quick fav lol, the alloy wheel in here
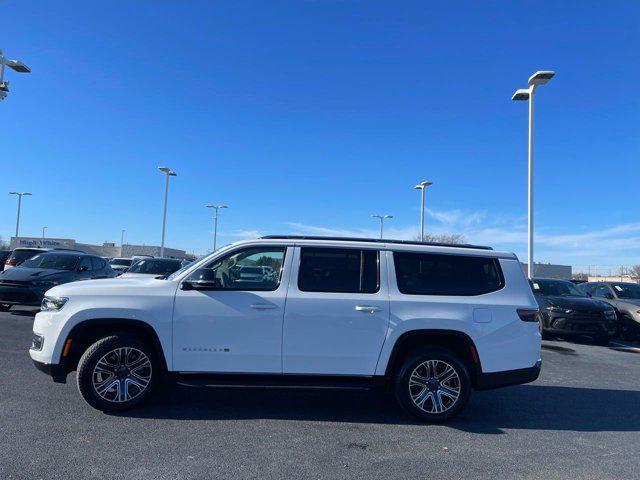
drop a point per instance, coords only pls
(122, 374)
(434, 386)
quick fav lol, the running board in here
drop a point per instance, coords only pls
(287, 382)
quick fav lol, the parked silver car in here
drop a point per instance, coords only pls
(625, 298)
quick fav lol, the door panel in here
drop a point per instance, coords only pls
(230, 330)
(332, 332)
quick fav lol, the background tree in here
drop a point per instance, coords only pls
(634, 271)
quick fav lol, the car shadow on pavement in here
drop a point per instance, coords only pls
(529, 407)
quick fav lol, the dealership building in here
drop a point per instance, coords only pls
(107, 249)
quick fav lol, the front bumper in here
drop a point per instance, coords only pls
(578, 324)
(57, 372)
(488, 381)
(21, 295)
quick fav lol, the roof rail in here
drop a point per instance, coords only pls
(374, 240)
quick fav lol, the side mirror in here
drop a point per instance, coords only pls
(83, 268)
(200, 285)
(608, 296)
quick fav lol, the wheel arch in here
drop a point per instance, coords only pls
(456, 341)
(89, 331)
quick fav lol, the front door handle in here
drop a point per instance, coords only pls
(367, 308)
(263, 306)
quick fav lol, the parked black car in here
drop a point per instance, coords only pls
(566, 311)
(26, 284)
(4, 254)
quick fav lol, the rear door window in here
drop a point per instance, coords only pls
(98, 263)
(443, 274)
(339, 270)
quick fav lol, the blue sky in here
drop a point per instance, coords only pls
(308, 116)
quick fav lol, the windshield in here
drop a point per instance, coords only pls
(121, 261)
(627, 290)
(53, 261)
(155, 266)
(255, 270)
(556, 288)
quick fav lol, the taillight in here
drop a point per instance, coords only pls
(528, 314)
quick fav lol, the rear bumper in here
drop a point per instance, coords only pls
(488, 381)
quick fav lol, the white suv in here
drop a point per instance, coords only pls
(432, 322)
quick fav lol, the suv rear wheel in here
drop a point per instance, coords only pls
(117, 372)
(433, 384)
(5, 307)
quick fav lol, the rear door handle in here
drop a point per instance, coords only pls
(367, 308)
(263, 306)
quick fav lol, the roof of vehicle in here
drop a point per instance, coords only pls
(33, 249)
(609, 282)
(404, 245)
(374, 240)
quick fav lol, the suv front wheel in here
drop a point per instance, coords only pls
(433, 384)
(117, 372)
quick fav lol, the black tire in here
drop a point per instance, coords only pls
(627, 329)
(601, 340)
(109, 346)
(5, 307)
(405, 395)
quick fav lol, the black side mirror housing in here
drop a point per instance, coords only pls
(200, 285)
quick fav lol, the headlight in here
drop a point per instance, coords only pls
(52, 303)
(553, 309)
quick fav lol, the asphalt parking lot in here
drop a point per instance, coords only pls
(581, 419)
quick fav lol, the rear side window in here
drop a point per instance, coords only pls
(440, 274)
(339, 270)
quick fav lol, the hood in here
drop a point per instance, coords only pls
(573, 303)
(138, 275)
(108, 286)
(629, 302)
(33, 274)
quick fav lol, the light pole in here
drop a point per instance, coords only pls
(382, 219)
(16, 65)
(168, 173)
(122, 239)
(43, 229)
(422, 186)
(538, 78)
(215, 222)
(20, 195)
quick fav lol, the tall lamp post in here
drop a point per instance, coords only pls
(215, 222)
(121, 240)
(382, 219)
(422, 186)
(43, 230)
(168, 173)
(20, 195)
(538, 78)
(16, 65)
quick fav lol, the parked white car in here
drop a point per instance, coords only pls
(120, 264)
(152, 267)
(431, 322)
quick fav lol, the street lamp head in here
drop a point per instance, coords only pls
(18, 66)
(422, 185)
(521, 94)
(168, 171)
(541, 77)
(19, 193)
